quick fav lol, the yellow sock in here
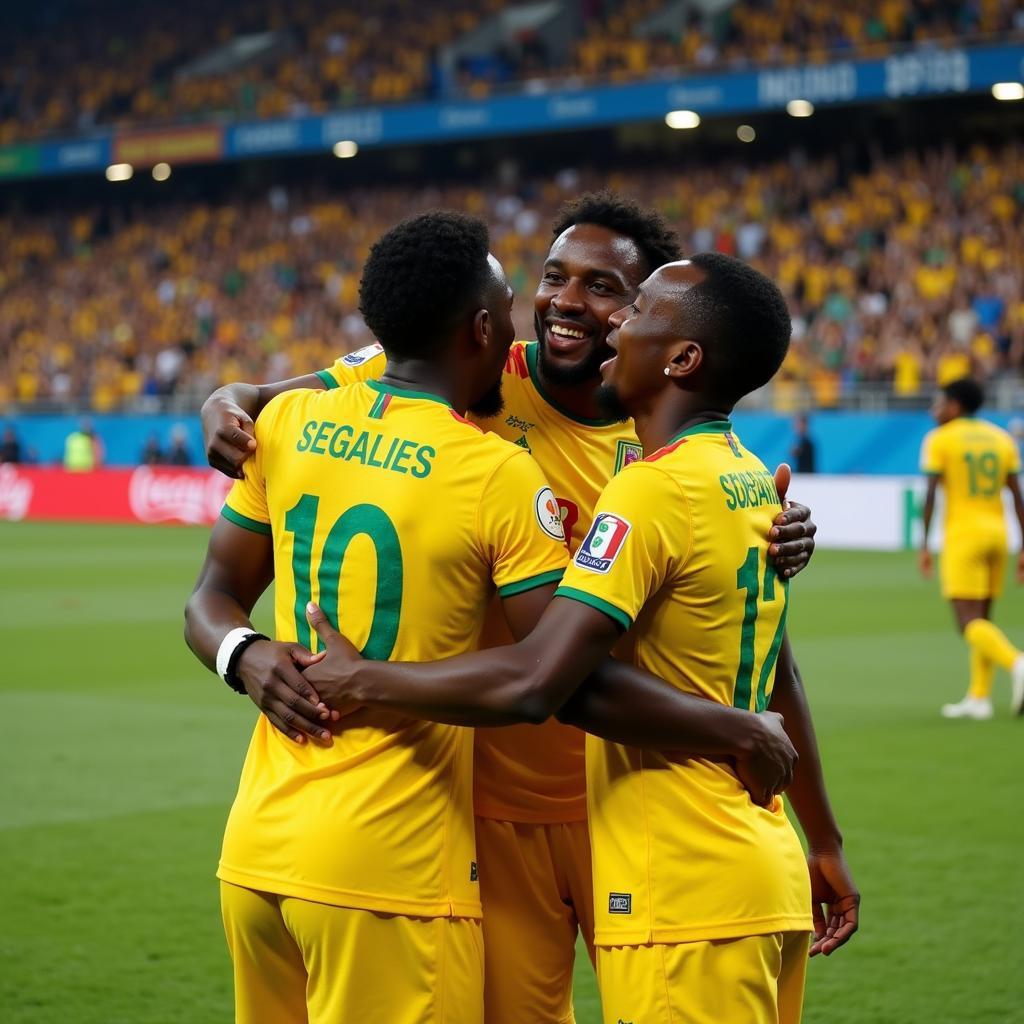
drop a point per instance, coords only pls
(989, 640)
(982, 673)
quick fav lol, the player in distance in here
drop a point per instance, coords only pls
(348, 873)
(974, 461)
(529, 781)
(702, 901)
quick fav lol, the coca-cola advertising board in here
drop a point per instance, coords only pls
(143, 495)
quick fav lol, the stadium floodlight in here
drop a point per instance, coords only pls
(161, 172)
(682, 119)
(745, 133)
(120, 172)
(1008, 91)
(799, 108)
(345, 149)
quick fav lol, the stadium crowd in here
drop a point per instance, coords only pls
(115, 63)
(900, 276)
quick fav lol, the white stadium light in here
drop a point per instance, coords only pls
(345, 149)
(799, 108)
(161, 172)
(745, 133)
(1008, 91)
(682, 119)
(120, 172)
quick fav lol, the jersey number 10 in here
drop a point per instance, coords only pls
(372, 521)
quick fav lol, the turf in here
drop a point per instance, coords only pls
(119, 757)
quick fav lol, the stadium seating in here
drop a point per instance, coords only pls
(896, 277)
(119, 64)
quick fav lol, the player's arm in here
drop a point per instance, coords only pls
(834, 895)
(792, 532)
(239, 567)
(228, 415)
(927, 514)
(1013, 484)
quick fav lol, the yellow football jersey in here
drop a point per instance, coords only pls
(533, 773)
(677, 554)
(401, 519)
(974, 458)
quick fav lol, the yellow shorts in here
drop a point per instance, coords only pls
(296, 962)
(537, 894)
(754, 980)
(973, 566)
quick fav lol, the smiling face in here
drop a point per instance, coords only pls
(590, 273)
(649, 335)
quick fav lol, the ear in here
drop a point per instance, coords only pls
(686, 361)
(483, 329)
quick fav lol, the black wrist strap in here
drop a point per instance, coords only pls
(231, 675)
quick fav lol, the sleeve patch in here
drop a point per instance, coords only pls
(603, 543)
(548, 514)
(362, 355)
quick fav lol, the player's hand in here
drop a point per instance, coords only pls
(228, 434)
(332, 675)
(1020, 567)
(924, 563)
(835, 901)
(767, 768)
(792, 532)
(272, 674)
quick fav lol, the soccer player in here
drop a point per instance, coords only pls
(974, 461)
(530, 790)
(348, 873)
(702, 905)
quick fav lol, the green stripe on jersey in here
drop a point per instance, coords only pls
(613, 613)
(531, 584)
(329, 381)
(244, 521)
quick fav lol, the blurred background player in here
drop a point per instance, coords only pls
(974, 461)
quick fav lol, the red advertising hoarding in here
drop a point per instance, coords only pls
(143, 495)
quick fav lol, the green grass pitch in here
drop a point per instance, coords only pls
(119, 757)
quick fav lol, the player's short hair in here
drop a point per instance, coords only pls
(967, 393)
(743, 318)
(422, 277)
(647, 229)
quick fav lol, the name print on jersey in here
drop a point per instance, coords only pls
(336, 440)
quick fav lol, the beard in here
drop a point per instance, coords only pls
(610, 403)
(490, 403)
(570, 376)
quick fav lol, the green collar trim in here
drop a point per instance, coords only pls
(712, 427)
(532, 348)
(390, 389)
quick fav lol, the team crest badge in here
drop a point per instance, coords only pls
(548, 514)
(603, 544)
(361, 355)
(626, 453)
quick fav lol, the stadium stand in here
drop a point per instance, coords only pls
(899, 276)
(123, 64)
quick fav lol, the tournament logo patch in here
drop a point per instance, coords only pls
(620, 903)
(548, 514)
(361, 355)
(603, 544)
(627, 452)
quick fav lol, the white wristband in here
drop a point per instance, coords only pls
(227, 648)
